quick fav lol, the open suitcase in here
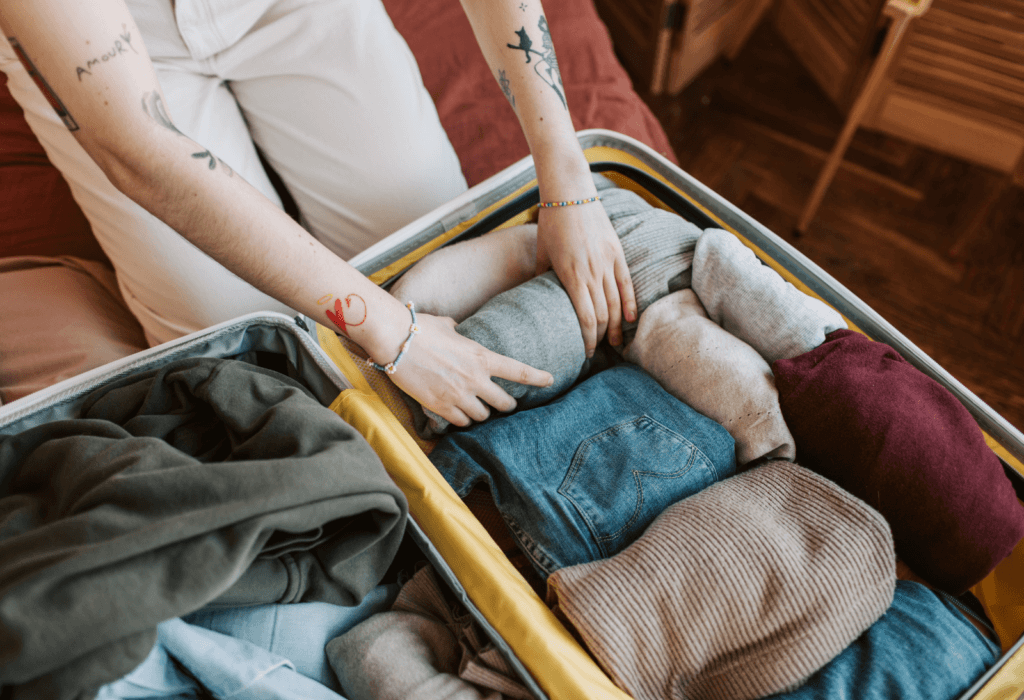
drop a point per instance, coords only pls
(548, 658)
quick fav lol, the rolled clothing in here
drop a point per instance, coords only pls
(458, 279)
(536, 323)
(743, 590)
(922, 648)
(204, 482)
(579, 479)
(401, 656)
(713, 372)
(754, 303)
(427, 647)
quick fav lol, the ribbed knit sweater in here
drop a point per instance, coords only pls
(738, 592)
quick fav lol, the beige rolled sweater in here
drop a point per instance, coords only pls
(738, 592)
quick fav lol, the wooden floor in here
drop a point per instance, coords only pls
(933, 244)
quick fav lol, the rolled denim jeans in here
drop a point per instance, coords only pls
(579, 479)
(923, 648)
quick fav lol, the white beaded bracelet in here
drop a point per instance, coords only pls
(389, 368)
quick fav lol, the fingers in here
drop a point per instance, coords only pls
(600, 304)
(497, 397)
(455, 416)
(583, 302)
(475, 409)
(624, 282)
(516, 371)
(611, 294)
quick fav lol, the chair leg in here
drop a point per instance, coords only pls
(860, 106)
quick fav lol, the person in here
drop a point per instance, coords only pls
(329, 91)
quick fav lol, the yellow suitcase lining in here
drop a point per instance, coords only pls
(561, 667)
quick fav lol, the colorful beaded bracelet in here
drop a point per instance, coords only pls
(595, 198)
(389, 368)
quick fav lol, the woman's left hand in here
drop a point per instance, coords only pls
(580, 245)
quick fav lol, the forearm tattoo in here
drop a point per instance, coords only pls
(153, 106)
(344, 314)
(44, 86)
(506, 88)
(121, 45)
(545, 65)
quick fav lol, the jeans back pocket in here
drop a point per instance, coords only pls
(622, 478)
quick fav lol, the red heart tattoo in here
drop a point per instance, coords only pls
(338, 315)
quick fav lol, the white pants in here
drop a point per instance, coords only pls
(329, 91)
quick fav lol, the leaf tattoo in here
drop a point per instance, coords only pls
(506, 88)
(153, 106)
(206, 154)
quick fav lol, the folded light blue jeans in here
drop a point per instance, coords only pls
(579, 479)
(923, 648)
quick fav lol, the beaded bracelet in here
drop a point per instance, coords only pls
(595, 198)
(389, 368)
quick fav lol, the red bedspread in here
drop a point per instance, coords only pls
(479, 121)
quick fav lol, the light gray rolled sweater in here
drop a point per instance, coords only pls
(535, 322)
(739, 592)
(753, 301)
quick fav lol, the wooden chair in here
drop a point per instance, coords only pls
(949, 75)
(901, 13)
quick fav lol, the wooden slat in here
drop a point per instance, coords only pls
(1007, 15)
(967, 55)
(951, 128)
(989, 104)
(999, 37)
(962, 72)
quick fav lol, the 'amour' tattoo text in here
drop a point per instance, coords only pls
(121, 45)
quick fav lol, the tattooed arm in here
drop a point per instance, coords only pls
(577, 241)
(89, 60)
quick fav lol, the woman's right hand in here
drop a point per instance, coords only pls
(451, 374)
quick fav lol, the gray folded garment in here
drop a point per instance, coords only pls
(425, 648)
(713, 372)
(400, 656)
(535, 322)
(736, 593)
(754, 303)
